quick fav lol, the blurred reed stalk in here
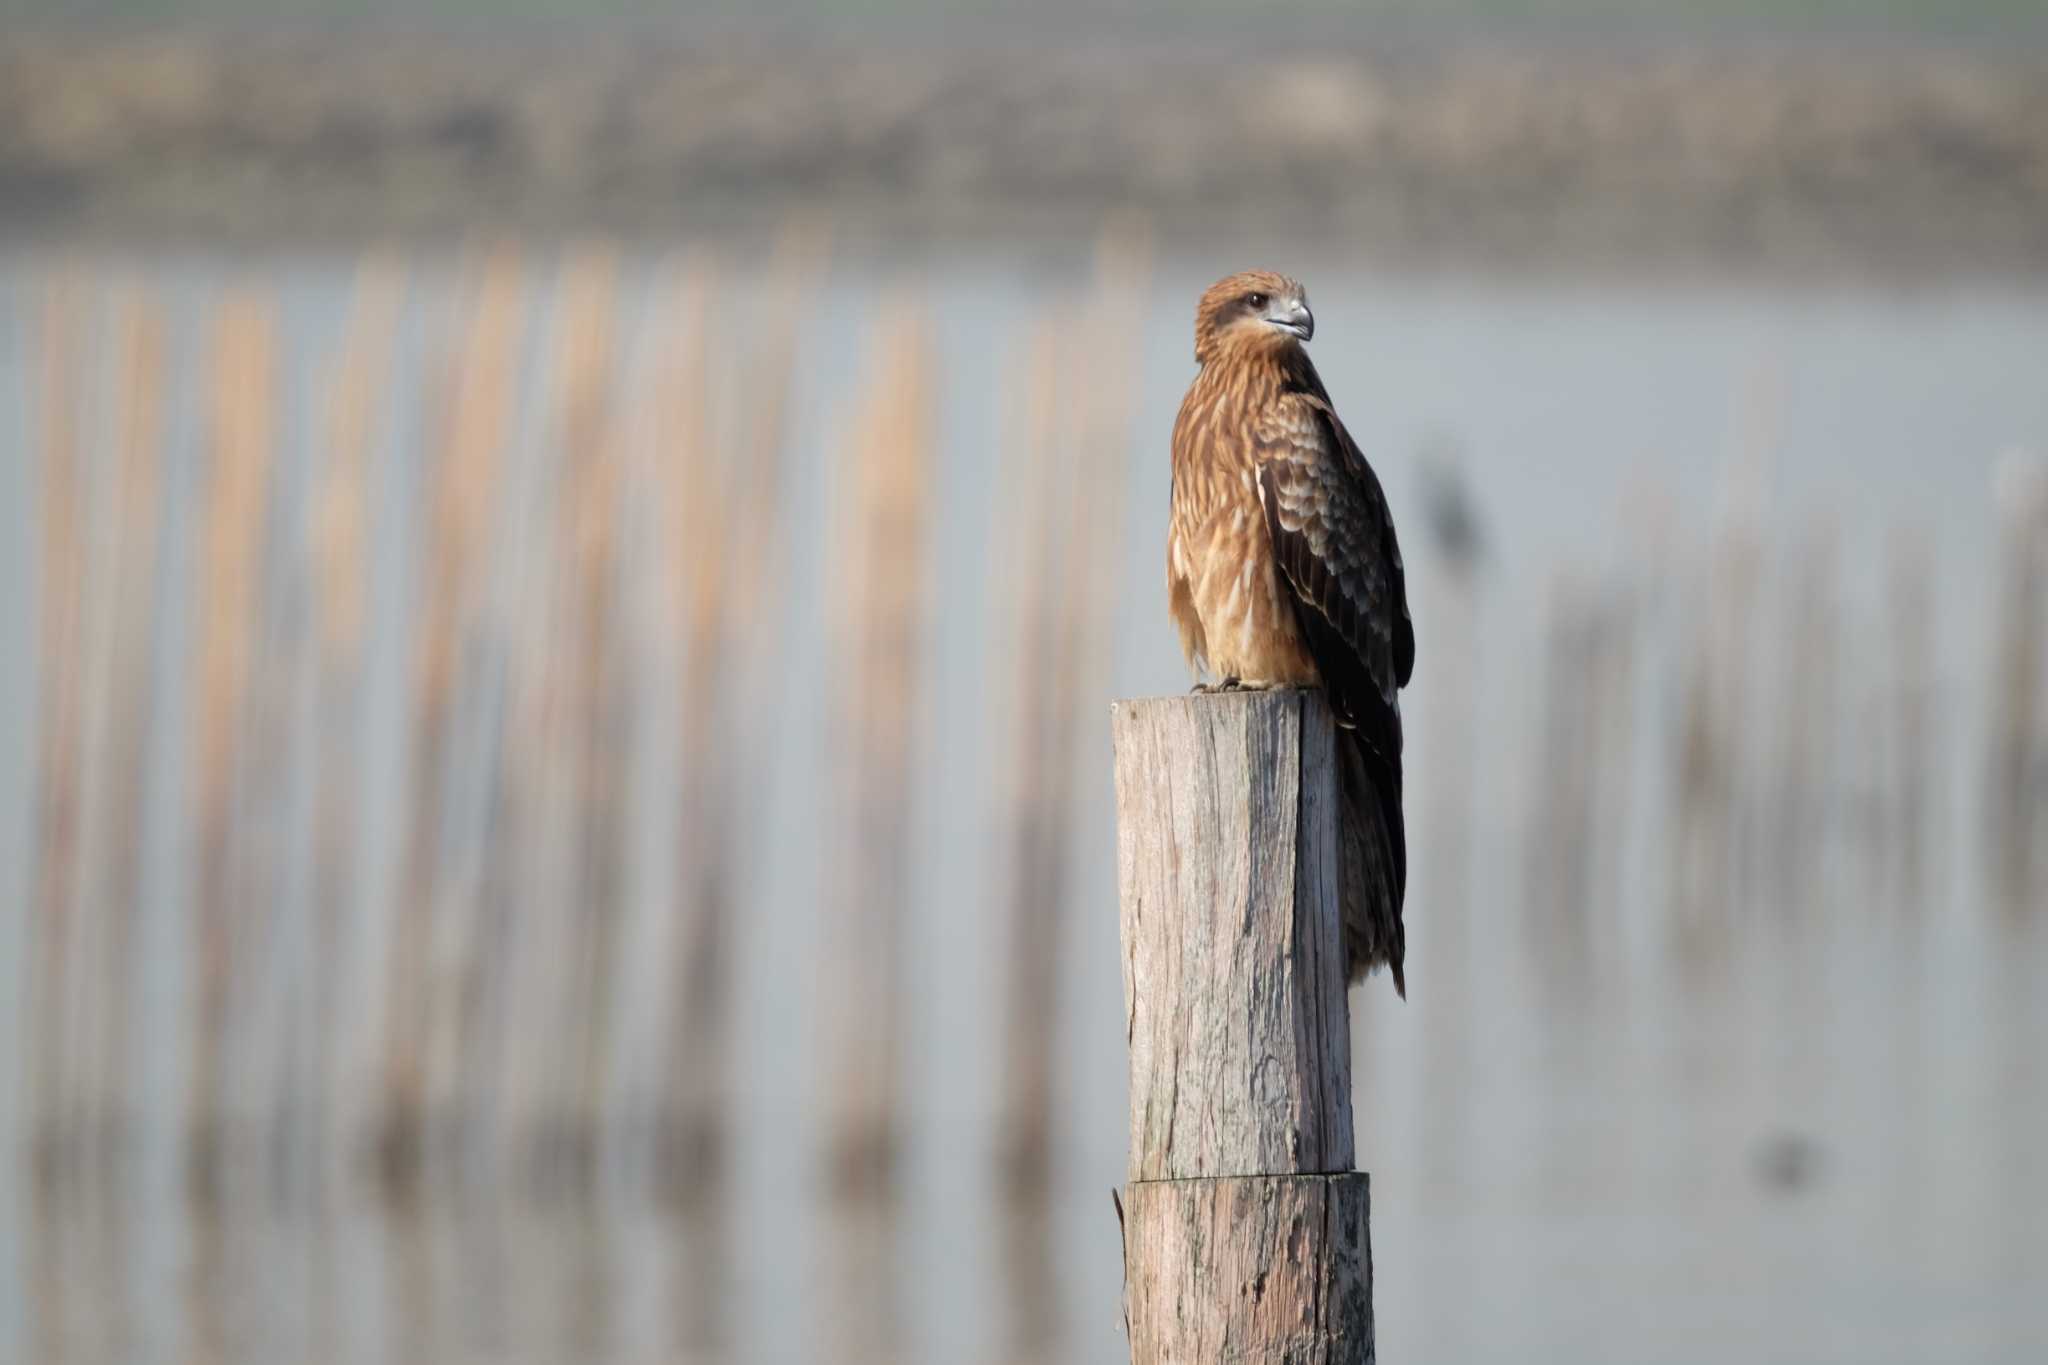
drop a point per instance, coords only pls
(1580, 812)
(60, 515)
(1055, 579)
(1710, 771)
(591, 684)
(97, 510)
(685, 475)
(1801, 760)
(543, 974)
(879, 608)
(879, 605)
(535, 1041)
(512, 1024)
(99, 503)
(521, 1016)
(243, 432)
(715, 473)
(1562, 816)
(1453, 538)
(118, 696)
(1030, 644)
(341, 536)
(2016, 766)
(1911, 704)
(256, 1096)
(427, 932)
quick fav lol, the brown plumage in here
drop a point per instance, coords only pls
(1282, 570)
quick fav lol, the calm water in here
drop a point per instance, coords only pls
(1825, 1144)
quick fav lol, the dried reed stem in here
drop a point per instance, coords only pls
(1911, 601)
(593, 691)
(243, 438)
(879, 606)
(568, 764)
(1029, 648)
(2016, 798)
(341, 549)
(59, 723)
(1063, 512)
(109, 873)
(716, 480)
(423, 961)
(1802, 757)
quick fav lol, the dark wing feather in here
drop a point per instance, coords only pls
(1333, 538)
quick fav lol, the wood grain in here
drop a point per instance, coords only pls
(1249, 1269)
(1233, 951)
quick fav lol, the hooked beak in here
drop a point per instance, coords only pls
(1293, 317)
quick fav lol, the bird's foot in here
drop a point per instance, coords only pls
(1234, 685)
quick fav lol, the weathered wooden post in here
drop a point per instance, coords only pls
(1245, 1227)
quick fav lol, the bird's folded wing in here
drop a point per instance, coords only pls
(1333, 539)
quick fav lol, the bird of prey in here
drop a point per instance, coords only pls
(1282, 570)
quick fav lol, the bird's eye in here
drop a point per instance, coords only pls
(1255, 300)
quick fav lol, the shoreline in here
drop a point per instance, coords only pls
(1921, 159)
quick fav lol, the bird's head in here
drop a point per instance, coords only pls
(1257, 310)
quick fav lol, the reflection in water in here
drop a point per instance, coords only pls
(1739, 1162)
(861, 1314)
(373, 1284)
(1033, 1328)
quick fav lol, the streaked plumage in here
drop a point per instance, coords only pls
(1282, 570)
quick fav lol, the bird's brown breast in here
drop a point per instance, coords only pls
(1234, 614)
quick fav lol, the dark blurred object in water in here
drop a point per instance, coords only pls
(1447, 505)
(1786, 1163)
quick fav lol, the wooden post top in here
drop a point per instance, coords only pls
(1234, 984)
